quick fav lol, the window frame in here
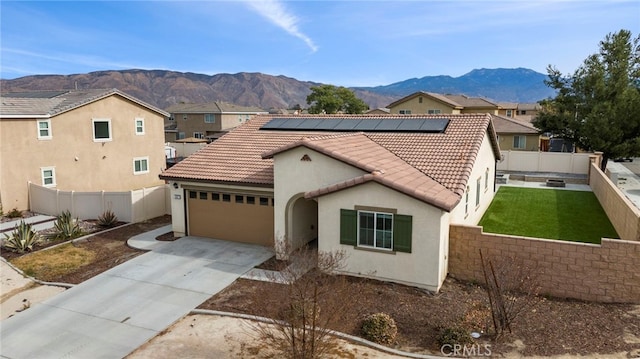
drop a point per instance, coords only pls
(404, 112)
(486, 179)
(49, 134)
(466, 202)
(93, 129)
(478, 192)
(52, 177)
(522, 142)
(509, 113)
(140, 159)
(199, 135)
(213, 116)
(135, 123)
(375, 230)
(434, 111)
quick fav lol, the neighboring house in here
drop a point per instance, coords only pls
(378, 111)
(421, 102)
(508, 109)
(527, 111)
(79, 140)
(205, 120)
(382, 188)
(516, 135)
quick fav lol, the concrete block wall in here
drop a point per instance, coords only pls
(608, 272)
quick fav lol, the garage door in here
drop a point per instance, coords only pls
(238, 217)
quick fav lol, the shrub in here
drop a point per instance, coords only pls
(22, 239)
(379, 328)
(107, 219)
(454, 335)
(14, 213)
(66, 227)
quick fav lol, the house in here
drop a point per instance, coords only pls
(383, 188)
(434, 103)
(378, 111)
(516, 135)
(205, 120)
(79, 140)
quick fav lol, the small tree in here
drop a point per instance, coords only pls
(512, 288)
(331, 99)
(313, 299)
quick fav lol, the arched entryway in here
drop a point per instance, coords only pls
(302, 226)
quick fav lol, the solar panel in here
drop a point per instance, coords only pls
(434, 125)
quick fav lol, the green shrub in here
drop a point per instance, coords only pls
(454, 335)
(14, 213)
(107, 219)
(379, 328)
(22, 239)
(66, 227)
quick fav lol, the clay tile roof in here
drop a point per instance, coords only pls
(510, 125)
(433, 167)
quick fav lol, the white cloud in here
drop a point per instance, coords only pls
(279, 15)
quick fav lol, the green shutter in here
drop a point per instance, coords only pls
(402, 226)
(348, 227)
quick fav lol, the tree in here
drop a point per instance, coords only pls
(332, 99)
(598, 107)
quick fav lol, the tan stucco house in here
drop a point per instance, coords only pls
(205, 120)
(78, 140)
(516, 135)
(422, 102)
(383, 188)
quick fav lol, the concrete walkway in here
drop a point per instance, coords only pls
(115, 312)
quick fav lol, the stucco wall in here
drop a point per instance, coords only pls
(622, 213)
(422, 267)
(80, 163)
(607, 272)
(294, 176)
(505, 141)
(418, 108)
(485, 161)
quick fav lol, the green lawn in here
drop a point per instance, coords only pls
(548, 213)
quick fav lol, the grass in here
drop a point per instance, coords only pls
(48, 264)
(547, 213)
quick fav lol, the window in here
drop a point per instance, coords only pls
(44, 129)
(181, 135)
(522, 112)
(215, 196)
(204, 195)
(486, 179)
(519, 142)
(380, 230)
(226, 197)
(264, 201)
(140, 165)
(509, 113)
(404, 112)
(198, 134)
(209, 118)
(101, 130)
(478, 181)
(466, 202)
(434, 112)
(239, 199)
(251, 200)
(139, 126)
(420, 99)
(193, 194)
(48, 176)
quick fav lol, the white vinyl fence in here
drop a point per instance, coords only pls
(129, 206)
(535, 161)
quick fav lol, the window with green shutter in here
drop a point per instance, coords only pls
(348, 227)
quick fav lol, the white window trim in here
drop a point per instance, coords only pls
(135, 124)
(524, 142)
(375, 214)
(93, 129)
(199, 135)
(50, 134)
(135, 159)
(478, 192)
(212, 115)
(404, 112)
(53, 176)
(434, 111)
(466, 202)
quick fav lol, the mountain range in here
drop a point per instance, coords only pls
(164, 88)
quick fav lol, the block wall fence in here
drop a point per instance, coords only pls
(608, 272)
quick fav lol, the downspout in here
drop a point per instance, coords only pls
(186, 214)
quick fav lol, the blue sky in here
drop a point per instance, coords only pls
(346, 43)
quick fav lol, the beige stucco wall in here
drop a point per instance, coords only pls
(294, 177)
(231, 120)
(194, 122)
(423, 267)
(80, 163)
(418, 108)
(485, 161)
(505, 141)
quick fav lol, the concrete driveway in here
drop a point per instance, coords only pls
(115, 312)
